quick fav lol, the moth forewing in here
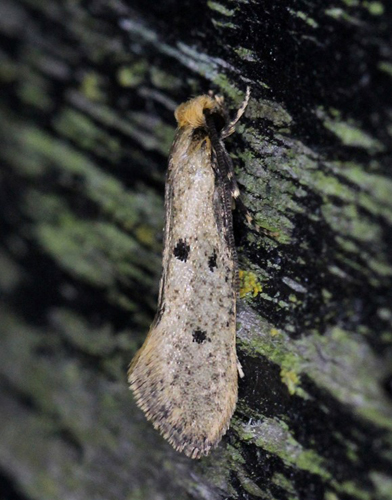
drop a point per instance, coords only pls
(184, 377)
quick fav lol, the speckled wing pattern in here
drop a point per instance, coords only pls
(185, 375)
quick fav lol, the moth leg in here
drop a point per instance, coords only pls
(241, 373)
(218, 98)
(229, 128)
(234, 189)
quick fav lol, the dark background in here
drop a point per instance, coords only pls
(88, 91)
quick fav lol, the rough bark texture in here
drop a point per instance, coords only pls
(86, 117)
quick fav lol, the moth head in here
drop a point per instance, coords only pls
(192, 113)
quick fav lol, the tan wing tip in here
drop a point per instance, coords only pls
(190, 444)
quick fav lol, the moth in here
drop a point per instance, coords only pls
(184, 377)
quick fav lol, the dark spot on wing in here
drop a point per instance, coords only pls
(181, 250)
(199, 336)
(212, 261)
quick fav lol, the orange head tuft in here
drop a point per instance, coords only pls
(191, 113)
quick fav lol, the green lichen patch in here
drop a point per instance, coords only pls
(373, 189)
(283, 482)
(126, 207)
(251, 487)
(223, 24)
(163, 80)
(132, 75)
(339, 362)
(87, 135)
(11, 274)
(271, 198)
(246, 54)
(347, 221)
(351, 135)
(157, 134)
(8, 69)
(339, 356)
(228, 89)
(97, 341)
(95, 252)
(33, 91)
(101, 343)
(307, 19)
(374, 8)
(386, 67)
(150, 132)
(75, 413)
(290, 379)
(350, 488)
(92, 88)
(249, 284)
(217, 468)
(340, 14)
(220, 8)
(255, 338)
(275, 437)
(268, 110)
(382, 484)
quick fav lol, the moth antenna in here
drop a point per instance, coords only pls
(230, 127)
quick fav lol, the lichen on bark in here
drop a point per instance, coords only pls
(86, 118)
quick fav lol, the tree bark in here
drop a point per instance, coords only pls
(86, 117)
